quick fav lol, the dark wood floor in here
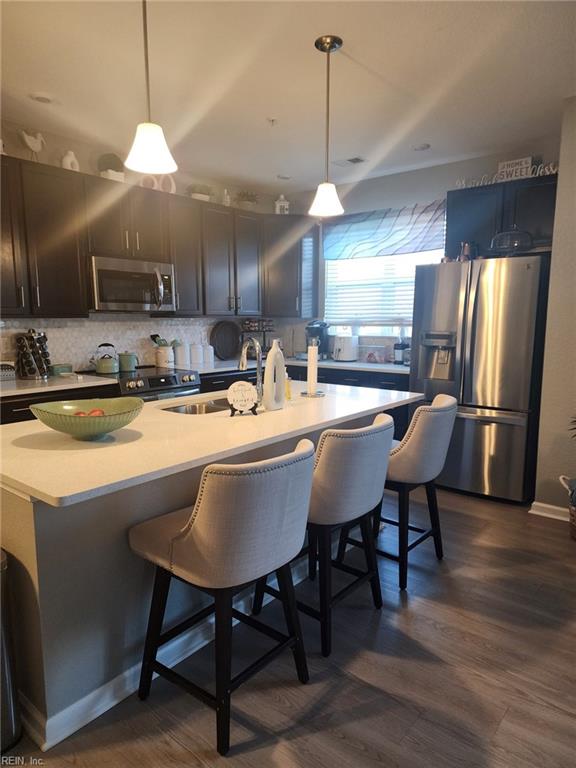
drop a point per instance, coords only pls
(474, 666)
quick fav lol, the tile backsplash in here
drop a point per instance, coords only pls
(75, 340)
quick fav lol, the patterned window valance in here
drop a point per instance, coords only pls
(411, 229)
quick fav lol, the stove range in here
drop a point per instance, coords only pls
(152, 383)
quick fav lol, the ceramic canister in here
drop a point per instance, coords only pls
(128, 361)
(165, 357)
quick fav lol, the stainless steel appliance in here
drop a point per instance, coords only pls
(478, 334)
(151, 383)
(128, 285)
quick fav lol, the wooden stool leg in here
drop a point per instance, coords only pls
(376, 520)
(344, 534)
(312, 554)
(371, 559)
(223, 637)
(258, 595)
(325, 579)
(434, 518)
(403, 521)
(158, 606)
(286, 588)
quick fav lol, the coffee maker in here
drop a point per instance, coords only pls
(318, 330)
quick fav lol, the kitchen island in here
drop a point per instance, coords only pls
(81, 595)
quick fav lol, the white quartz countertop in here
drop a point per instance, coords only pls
(53, 467)
(10, 388)
(355, 366)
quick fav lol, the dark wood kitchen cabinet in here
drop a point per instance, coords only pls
(218, 260)
(477, 214)
(14, 278)
(126, 222)
(247, 263)
(54, 225)
(290, 266)
(184, 226)
(231, 245)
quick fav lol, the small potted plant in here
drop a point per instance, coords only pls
(570, 485)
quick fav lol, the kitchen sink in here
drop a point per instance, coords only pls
(200, 409)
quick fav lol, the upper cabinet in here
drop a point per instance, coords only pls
(248, 267)
(231, 243)
(218, 256)
(290, 266)
(477, 214)
(14, 277)
(54, 228)
(184, 226)
(127, 222)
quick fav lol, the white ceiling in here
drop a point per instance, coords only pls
(469, 78)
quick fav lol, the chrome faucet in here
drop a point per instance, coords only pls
(243, 364)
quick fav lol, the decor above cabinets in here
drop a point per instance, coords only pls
(477, 214)
(54, 222)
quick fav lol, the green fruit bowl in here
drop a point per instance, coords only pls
(62, 416)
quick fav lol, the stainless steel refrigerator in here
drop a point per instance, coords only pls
(478, 334)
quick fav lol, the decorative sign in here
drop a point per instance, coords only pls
(509, 170)
(242, 397)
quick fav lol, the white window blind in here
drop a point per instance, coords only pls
(371, 258)
(377, 289)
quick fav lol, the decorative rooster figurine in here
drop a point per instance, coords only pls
(34, 143)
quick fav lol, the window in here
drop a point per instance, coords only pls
(371, 258)
(378, 289)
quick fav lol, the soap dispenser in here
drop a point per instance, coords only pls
(274, 393)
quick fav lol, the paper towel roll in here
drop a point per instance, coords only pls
(312, 369)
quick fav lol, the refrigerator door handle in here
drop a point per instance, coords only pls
(470, 332)
(504, 417)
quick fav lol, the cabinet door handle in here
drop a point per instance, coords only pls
(127, 239)
(137, 240)
(22, 298)
(297, 303)
(37, 295)
(238, 302)
(177, 300)
(220, 381)
(17, 410)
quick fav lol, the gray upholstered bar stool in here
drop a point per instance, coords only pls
(416, 460)
(349, 477)
(249, 520)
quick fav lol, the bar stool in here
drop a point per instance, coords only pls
(349, 476)
(415, 460)
(249, 520)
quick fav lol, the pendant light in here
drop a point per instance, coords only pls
(149, 152)
(327, 202)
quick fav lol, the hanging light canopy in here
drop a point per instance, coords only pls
(326, 202)
(149, 152)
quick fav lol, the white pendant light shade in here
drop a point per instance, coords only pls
(326, 202)
(150, 153)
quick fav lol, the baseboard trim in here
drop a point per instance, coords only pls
(47, 732)
(549, 510)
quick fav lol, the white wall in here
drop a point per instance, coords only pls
(426, 184)
(557, 449)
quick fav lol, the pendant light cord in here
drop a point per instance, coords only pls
(146, 63)
(327, 113)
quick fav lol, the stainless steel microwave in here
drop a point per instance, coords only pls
(133, 286)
